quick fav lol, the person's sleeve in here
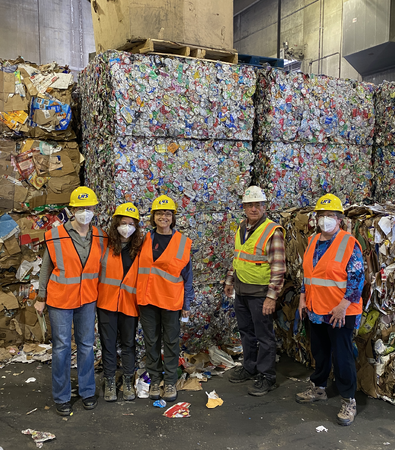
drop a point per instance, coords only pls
(189, 293)
(276, 256)
(45, 272)
(302, 288)
(355, 276)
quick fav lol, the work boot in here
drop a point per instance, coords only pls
(89, 402)
(154, 390)
(261, 386)
(311, 394)
(129, 393)
(64, 409)
(110, 390)
(239, 375)
(347, 412)
(170, 394)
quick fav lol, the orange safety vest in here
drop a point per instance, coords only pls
(71, 285)
(326, 283)
(160, 283)
(118, 293)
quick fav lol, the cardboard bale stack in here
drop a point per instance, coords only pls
(313, 135)
(39, 167)
(180, 127)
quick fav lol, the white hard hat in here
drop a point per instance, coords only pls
(254, 194)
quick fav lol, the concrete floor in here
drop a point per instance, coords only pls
(274, 421)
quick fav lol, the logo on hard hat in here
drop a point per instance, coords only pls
(163, 202)
(325, 202)
(130, 209)
(83, 196)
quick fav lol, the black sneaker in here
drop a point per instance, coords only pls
(64, 409)
(239, 374)
(261, 386)
(89, 402)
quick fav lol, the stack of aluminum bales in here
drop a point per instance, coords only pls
(182, 127)
(313, 135)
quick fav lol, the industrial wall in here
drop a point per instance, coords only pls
(312, 27)
(43, 31)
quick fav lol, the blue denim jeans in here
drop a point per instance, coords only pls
(84, 334)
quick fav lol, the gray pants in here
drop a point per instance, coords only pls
(256, 328)
(158, 323)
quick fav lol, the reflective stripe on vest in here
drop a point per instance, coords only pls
(160, 273)
(325, 283)
(181, 247)
(248, 257)
(311, 241)
(342, 248)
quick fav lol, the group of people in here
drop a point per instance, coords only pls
(131, 276)
(123, 276)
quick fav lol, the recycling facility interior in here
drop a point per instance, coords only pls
(200, 131)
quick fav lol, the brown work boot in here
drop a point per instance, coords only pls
(129, 393)
(154, 391)
(311, 394)
(347, 412)
(170, 394)
(110, 390)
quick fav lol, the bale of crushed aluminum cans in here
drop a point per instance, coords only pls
(384, 150)
(373, 227)
(148, 95)
(384, 173)
(385, 114)
(296, 174)
(296, 107)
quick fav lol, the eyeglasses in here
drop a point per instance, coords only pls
(330, 215)
(253, 205)
(164, 213)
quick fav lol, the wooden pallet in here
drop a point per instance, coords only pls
(165, 48)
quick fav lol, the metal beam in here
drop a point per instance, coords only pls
(240, 6)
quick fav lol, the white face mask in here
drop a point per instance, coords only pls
(84, 216)
(126, 230)
(327, 224)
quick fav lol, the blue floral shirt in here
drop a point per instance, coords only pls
(355, 280)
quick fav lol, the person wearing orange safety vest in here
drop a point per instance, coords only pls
(331, 296)
(164, 292)
(257, 277)
(116, 304)
(68, 285)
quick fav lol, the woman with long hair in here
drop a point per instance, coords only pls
(116, 304)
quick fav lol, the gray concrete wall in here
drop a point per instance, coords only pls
(312, 26)
(43, 31)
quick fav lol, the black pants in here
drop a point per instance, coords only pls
(336, 343)
(256, 328)
(158, 323)
(109, 324)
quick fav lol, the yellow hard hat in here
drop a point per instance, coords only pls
(163, 202)
(83, 196)
(127, 209)
(329, 202)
